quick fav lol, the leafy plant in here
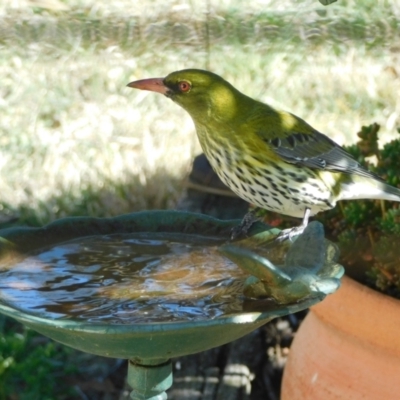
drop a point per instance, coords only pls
(31, 366)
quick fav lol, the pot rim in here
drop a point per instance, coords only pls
(364, 313)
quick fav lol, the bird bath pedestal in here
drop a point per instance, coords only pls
(307, 275)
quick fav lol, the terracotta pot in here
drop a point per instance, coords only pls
(348, 347)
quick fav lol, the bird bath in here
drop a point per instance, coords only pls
(305, 271)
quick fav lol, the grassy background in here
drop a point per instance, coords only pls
(75, 141)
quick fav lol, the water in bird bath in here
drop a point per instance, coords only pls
(125, 279)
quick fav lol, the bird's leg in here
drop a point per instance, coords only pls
(306, 217)
(244, 226)
(298, 230)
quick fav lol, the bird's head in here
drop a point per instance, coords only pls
(202, 94)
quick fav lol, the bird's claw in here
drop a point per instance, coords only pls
(242, 229)
(289, 234)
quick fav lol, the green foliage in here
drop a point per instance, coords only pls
(384, 274)
(390, 222)
(359, 213)
(388, 166)
(32, 367)
(368, 143)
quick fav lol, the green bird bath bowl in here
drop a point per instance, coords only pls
(51, 280)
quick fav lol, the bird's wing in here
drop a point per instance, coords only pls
(315, 150)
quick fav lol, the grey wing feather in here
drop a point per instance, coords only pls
(317, 151)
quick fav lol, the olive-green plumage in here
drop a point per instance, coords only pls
(270, 158)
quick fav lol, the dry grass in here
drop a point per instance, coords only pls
(75, 140)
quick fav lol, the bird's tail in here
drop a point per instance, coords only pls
(368, 188)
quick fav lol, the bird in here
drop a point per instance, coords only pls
(268, 157)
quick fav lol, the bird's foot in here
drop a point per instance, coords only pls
(242, 229)
(297, 230)
(290, 233)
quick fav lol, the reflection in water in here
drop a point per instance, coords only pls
(125, 279)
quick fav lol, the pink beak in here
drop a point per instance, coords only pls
(152, 84)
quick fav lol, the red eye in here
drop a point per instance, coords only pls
(184, 86)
